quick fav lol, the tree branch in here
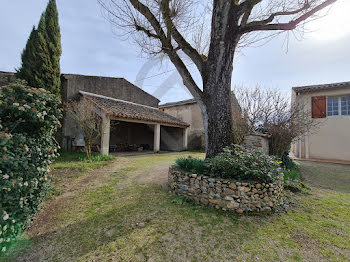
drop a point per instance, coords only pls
(169, 49)
(144, 10)
(181, 41)
(147, 32)
(291, 25)
(281, 13)
(186, 76)
(246, 8)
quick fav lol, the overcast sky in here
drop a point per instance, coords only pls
(90, 47)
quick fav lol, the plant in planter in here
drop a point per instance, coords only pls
(235, 162)
(237, 180)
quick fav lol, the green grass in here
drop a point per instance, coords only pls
(78, 160)
(325, 175)
(118, 218)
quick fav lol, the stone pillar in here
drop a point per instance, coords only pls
(106, 125)
(185, 138)
(156, 140)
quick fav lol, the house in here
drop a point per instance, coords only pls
(190, 112)
(329, 106)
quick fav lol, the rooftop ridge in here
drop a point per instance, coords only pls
(311, 88)
(178, 103)
(115, 99)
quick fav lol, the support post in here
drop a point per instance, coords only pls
(156, 140)
(106, 126)
(185, 138)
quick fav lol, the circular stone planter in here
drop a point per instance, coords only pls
(229, 195)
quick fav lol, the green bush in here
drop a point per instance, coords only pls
(291, 175)
(240, 163)
(287, 162)
(191, 164)
(29, 119)
(235, 162)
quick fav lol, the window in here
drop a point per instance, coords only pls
(332, 106)
(337, 106)
(345, 105)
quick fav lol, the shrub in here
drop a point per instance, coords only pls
(29, 119)
(287, 162)
(291, 175)
(242, 164)
(270, 111)
(235, 162)
(28, 111)
(191, 164)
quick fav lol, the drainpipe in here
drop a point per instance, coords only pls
(299, 105)
(299, 146)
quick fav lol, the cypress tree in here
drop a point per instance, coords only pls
(43, 70)
(28, 56)
(53, 41)
(41, 56)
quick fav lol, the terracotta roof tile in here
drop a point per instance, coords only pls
(129, 110)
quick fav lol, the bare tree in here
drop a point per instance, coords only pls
(240, 127)
(83, 114)
(269, 111)
(167, 26)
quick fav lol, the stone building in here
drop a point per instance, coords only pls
(131, 116)
(190, 112)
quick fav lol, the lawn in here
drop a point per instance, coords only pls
(78, 161)
(326, 175)
(123, 212)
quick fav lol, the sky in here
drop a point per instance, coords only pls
(91, 48)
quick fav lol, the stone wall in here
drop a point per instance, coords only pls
(228, 195)
(118, 88)
(171, 138)
(189, 112)
(254, 141)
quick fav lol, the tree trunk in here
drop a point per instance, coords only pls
(217, 120)
(216, 103)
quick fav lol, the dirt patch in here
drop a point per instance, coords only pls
(157, 175)
(62, 178)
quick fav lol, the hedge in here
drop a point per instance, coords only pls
(29, 120)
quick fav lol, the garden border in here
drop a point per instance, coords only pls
(228, 195)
